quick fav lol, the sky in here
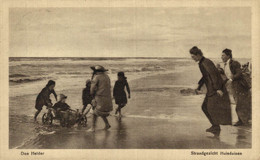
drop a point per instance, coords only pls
(128, 32)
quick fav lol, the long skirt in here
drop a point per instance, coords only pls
(121, 98)
(218, 109)
(243, 102)
(103, 104)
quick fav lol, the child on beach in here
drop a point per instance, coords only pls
(119, 93)
(86, 96)
(61, 105)
(62, 109)
(43, 98)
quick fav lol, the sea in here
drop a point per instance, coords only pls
(28, 75)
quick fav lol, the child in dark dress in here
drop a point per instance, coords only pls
(43, 98)
(86, 96)
(119, 93)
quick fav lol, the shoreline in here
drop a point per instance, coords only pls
(157, 116)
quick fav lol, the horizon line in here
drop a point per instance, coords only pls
(112, 57)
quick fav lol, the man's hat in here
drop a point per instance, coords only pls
(98, 68)
(62, 96)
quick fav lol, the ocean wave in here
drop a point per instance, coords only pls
(152, 68)
(34, 140)
(72, 73)
(17, 75)
(157, 89)
(30, 132)
(141, 69)
(97, 58)
(27, 141)
(175, 88)
(25, 80)
(188, 91)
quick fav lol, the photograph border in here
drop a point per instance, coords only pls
(6, 153)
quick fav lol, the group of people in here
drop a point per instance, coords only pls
(96, 95)
(223, 85)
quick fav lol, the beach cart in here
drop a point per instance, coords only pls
(66, 118)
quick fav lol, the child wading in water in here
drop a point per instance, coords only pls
(62, 109)
(43, 98)
(86, 96)
(119, 92)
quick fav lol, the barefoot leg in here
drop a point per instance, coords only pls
(36, 114)
(106, 122)
(94, 121)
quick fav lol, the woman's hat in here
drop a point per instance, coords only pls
(98, 68)
(62, 96)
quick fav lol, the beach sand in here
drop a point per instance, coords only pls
(157, 116)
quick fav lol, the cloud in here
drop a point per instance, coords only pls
(127, 31)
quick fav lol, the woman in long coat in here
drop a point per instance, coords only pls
(239, 88)
(101, 91)
(241, 94)
(216, 105)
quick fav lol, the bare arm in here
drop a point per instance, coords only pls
(127, 88)
(54, 93)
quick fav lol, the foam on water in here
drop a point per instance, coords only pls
(173, 117)
(71, 74)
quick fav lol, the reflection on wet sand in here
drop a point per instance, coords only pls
(243, 139)
(121, 134)
(127, 133)
(240, 137)
(105, 139)
(215, 135)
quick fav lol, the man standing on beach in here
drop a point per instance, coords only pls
(216, 105)
(237, 87)
(101, 91)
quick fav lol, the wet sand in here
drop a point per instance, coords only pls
(157, 116)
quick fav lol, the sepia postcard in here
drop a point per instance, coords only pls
(130, 79)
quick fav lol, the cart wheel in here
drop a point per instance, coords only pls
(47, 119)
(83, 121)
(62, 122)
